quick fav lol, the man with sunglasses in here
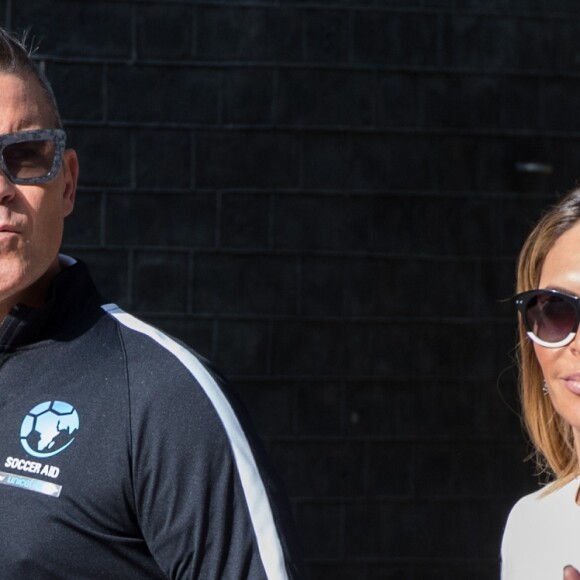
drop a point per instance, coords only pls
(122, 453)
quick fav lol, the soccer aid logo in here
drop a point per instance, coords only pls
(49, 428)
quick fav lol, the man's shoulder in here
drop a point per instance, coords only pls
(151, 351)
(139, 334)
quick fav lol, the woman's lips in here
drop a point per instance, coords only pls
(572, 383)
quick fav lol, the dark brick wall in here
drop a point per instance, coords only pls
(322, 197)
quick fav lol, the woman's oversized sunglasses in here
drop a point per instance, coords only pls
(550, 317)
(30, 157)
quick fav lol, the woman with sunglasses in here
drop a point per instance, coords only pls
(542, 536)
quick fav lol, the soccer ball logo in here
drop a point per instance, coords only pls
(49, 428)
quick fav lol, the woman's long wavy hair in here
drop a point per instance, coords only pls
(551, 436)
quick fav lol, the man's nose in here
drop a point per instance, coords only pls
(7, 188)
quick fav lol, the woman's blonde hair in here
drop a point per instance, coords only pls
(550, 434)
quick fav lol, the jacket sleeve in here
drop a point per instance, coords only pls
(207, 502)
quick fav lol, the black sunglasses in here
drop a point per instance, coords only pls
(29, 157)
(550, 317)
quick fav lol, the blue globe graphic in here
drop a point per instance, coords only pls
(49, 428)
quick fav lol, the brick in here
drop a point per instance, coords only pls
(564, 6)
(462, 153)
(478, 569)
(461, 40)
(393, 290)
(505, 340)
(567, 35)
(494, 282)
(461, 102)
(496, 170)
(163, 159)
(319, 408)
(242, 347)
(453, 348)
(85, 225)
(498, 42)
(361, 517)
(387, 38)
(443, 3)
(160, 281)
(110, 272)
(456, 470)
(347, 97)
(398, 100)
(391, 571)
(386, 408)
(403, 409)
(196, 333)
(485, 97)
(86, 104)
(339, 570)
(322, 286)
(445, 349)
(412, 165)
(164, 31)
(92, 29)
(558, 103)
(319, 469)
(104, 155)
(519, 102)
(248, 96)
(445, 101)
(320, 348)
(482, 41)
(249, 34)
(193, 97)
(370, 168)
(265, 396)
(390, 219)
(391, 469)
(326, 161)
(327, 35)
(563, 154)
(246, 159)
(171, 220)
(438, 529)
(516, 473)
(320, 526)
(245, 221)
(536, 42)
(229, 284)
(478, 227)
(504, 406)
(321, 222)
(524, 151)
(466, 409)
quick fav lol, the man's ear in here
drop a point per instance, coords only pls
(70, 169)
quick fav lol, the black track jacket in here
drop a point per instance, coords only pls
(121, 454)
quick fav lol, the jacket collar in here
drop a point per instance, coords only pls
(72, 304)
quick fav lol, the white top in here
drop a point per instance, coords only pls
(542, 535)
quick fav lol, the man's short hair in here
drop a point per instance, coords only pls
(17, 58)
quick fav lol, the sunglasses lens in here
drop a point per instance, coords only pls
(29, 159)
(550, 317)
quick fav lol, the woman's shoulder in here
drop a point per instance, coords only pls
(541, 509)
(547, 495)
(543, 499)
(543, 518)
